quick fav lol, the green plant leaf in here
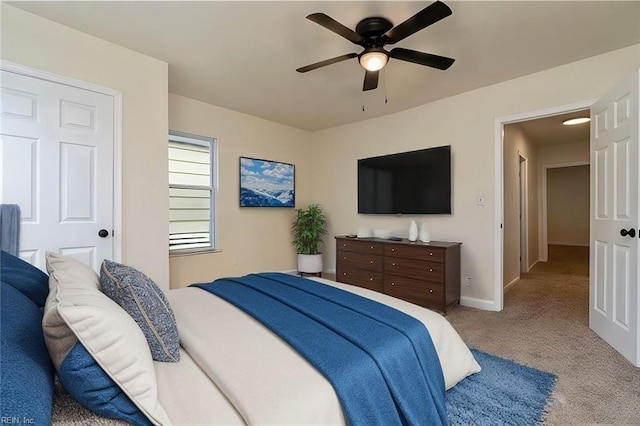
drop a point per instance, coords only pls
(309, 226)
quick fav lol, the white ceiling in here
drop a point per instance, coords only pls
(242, 55)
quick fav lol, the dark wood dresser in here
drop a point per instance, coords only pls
(427, 274)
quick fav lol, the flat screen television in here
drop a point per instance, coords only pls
(414, 182)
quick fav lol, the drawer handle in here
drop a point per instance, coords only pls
(344, 274)
(393, 283)
(430, 269)
(344, 244)
(370, 278)
(371, 262)
(430, 290)
(344, 257)
(430, 253)
(393, 249)
(371, 247)
(393, 264)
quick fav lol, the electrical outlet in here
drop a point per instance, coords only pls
(468, 281)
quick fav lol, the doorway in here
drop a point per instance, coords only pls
(523, 185)
(526, 143)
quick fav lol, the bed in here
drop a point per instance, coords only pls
(228, 368)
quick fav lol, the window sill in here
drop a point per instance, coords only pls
(192, 252)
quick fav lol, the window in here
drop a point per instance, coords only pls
(192, 161)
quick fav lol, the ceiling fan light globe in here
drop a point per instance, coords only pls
(373, 61)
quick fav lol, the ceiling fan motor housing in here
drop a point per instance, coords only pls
(373, 28)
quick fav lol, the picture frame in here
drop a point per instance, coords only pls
(266, 183)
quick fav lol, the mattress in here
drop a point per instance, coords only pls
(233, 370)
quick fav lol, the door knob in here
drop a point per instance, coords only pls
(103, 233)
(631, 232)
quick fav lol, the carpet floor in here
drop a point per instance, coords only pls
(545, 324)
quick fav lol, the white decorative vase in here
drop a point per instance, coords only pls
(413, 231)
(424, 233)
(364, 232)
(310, 263)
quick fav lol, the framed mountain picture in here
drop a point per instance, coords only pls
(266, 183)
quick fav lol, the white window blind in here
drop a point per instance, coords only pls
(191, 192)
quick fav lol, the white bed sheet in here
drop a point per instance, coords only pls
(189, 397)
(234, 370)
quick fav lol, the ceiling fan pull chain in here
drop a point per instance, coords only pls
(384, 82)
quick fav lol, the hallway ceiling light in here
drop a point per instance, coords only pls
(577, 120)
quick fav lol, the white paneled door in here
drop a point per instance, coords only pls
(56, 153)
(613, 282)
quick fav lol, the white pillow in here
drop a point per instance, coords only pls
(76, 310)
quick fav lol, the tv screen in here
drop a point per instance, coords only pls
(415, 182)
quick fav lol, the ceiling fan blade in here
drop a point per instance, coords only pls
(427, 16)
(421, 58)
(370, 80)
(327, 62)
(335, 26)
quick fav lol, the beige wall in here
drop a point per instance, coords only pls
(250, 239)
(517, 144)
(467, 123)
(47, 46)
(567, 153)
(568, 205)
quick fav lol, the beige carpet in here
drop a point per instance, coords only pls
(545, 325)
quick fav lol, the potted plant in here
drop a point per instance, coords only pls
(309, 226)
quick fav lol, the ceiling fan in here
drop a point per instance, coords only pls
(376, 32)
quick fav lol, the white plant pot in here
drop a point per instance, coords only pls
(310, 263)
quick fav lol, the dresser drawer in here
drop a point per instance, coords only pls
(362, 246)
(419, 252)
(360, 278)
(370, 262)
(416, 269)
(422, 293)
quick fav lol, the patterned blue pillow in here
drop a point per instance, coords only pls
(148, 306)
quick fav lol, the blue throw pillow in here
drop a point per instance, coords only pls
(24, 277)
(88, 384)
(148, 306)
(25, 367)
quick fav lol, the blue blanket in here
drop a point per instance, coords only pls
(10, 228)
(380, 361)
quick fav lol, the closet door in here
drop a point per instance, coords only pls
(56, 152)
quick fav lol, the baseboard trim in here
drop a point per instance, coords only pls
(511, 284)
(485, 305)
